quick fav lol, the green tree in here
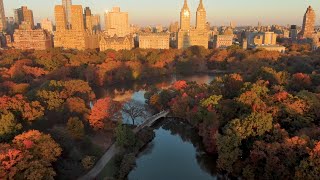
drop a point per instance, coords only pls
(125, 138)
(75, 127)
(8, 126)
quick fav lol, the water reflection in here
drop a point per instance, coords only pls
(175, 153)
(134, 91)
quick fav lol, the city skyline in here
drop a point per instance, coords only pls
(218, 13)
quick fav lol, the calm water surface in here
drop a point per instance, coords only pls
(176, 153)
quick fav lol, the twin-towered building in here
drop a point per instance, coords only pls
(197, 36)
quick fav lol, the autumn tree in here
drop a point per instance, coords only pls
(29, 156)
(102, 113)
(75, 128)
(8, 126)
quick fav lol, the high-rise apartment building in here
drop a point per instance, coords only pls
(18, 17)
(61, 19)
(117, 23)
(96, 25)
(46, 24)
(270, 38)
(25, 15)
(67, 10)
(309, 20)
(91, 22)
(75, 37)
(293, 32)
(3, 22)
(188, 36)
(201, 17)
(77, 22)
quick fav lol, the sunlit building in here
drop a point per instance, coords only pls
(27, 16)
(76, 37)
(116, 43)
(154, 40)
(46, 24)
(38, 39)
(309, 20)
(224, 39)
(3, 23)
(92, 22)
(198, 36)
(117, 23)
(316, 41)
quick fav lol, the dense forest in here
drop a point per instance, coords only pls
(261, 119)
(261, 122)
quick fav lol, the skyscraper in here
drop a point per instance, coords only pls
(67, 9)
(75, 37)
(61, 19)
(24, 15)
(201, 17)
(185, 17)
(308, 24)
(2, 17)
(87, 17)
(117, 22)
(77, 22)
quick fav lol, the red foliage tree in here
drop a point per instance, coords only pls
(179, 85)
(102, 112)
(300, 81)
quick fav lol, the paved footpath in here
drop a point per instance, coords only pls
(98, 167)
(113, 150)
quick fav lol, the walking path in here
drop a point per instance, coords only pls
(113, 150)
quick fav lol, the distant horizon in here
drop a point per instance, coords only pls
(248, 13)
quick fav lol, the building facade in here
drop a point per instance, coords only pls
(278, 48)
(316, 41)
(224, 39)
(92, 22)
(46, 24)
(76, 37)
(269, 38)
(309, 20)
(27, 16)
(293, 32)
(154, 40)
(117, 23)
(77, 22)
(198, 36)
(116, 43)
(3, 23)
(38, 39)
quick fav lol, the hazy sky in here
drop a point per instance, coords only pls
(152, 12)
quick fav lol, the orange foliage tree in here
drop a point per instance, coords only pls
(102, 113)
(29, 156)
